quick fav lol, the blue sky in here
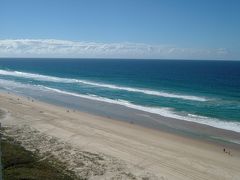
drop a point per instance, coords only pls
(203, 29)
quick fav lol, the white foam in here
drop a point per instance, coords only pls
(166, 112)
(110, 86)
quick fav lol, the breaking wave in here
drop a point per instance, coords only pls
(40, 77)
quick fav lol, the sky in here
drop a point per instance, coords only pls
(159, 29)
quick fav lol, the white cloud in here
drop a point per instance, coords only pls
(62, 48)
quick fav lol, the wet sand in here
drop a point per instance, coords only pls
(122, 149)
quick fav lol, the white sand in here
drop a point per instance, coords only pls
(102, 148)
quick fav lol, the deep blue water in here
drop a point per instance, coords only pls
(207, 92)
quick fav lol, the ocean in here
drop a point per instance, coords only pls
(205, 92)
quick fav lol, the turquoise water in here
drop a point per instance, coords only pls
(207, 92)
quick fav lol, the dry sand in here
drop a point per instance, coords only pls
(101, 148)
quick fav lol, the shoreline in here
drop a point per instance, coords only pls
(148, 120)
(154, 151)
(73, 100)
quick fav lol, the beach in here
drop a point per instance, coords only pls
(119, 90)
(114, 149)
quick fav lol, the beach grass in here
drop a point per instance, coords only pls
(18, 163)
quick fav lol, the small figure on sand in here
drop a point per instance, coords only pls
(228, 152)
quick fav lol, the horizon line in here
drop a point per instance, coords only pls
(107, 58)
